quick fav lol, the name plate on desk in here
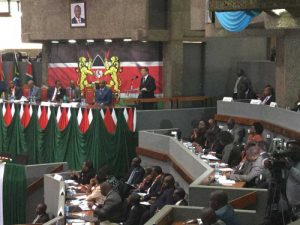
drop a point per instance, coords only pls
(45, 104)
(227, 99)
(273, 104)
(255, 102)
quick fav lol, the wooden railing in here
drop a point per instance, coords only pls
(269, 126)
(174, 101)
(165, 158)
(40, 182)
(244, 201)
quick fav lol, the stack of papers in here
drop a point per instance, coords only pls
(209, 157)
(224, 181)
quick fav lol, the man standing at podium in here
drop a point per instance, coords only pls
(147, 88)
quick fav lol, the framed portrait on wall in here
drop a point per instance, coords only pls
(78, 14)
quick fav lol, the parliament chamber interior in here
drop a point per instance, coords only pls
(155, 112)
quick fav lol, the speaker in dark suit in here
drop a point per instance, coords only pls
(41, 215)
(147, 88)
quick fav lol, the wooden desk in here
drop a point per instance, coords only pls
(182, 223)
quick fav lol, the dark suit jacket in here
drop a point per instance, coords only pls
(243, 85)
(138, 175)
(134, 215)
(105, 97)
(76, 94)
(166, 198)
(112, 208)
(35, 92)
(18, 93)
(43, 218)
(74, 20)
(85, 177)
(149, 84)
(227, 215)
(59, 95)
(271, 99)
(183, 202)
(155, 189)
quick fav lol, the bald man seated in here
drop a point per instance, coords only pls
(41, 215)
(251, 169)
(219, 203)
(209, 217)
(112, 208)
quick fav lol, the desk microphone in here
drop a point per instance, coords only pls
(135, 77)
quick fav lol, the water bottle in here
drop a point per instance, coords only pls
(217, 171)
(66, 210)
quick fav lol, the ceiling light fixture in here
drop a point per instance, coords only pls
(72, 41)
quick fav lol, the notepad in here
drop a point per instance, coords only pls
(209, 157)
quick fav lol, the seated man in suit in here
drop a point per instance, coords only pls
(268, 95)
(238, 133)
(41, 215)
(14, 91)
(155, 187)
(209, 217)
(219, 202)
(103, 94)
(34, 91)
(112, 208)
(135, 210)
(136, 172)
(57, 93)
(251, 169)
(165, 198)
(86, 174)
(73, 93)
(179, 197)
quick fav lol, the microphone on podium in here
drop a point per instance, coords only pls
(135, 77)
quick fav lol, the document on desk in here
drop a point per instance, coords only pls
(145, 203)
(141, 194)
(209, 157)
(225, 169)
(224, 181)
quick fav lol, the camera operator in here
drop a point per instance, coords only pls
(293, 180)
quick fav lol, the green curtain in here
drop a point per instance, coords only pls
(99, 143)
(14, 194)
(123, 144)
(49, 140)
(3, 147)
(15, 135)
(33, 138)
(71, 146)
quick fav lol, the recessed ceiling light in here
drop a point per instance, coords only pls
(90, 41)
(54, 42)
(144, 41)
(278, 11)
(192, 42)
(107, 40)
(127, 39)
(72, 41)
